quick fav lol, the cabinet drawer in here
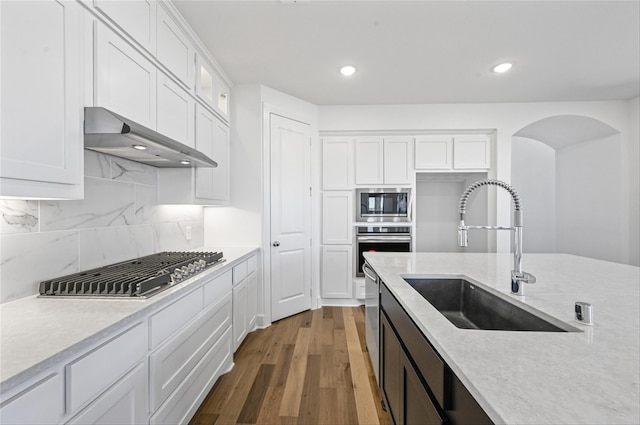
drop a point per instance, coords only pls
(429, 364)
(171, 363)
(173, 317)
(240, 272)
(42, 403)
(124, 403)
(185, 400)
(215, 289)
(93, 373)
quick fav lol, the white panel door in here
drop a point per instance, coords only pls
(136, 18)
(212, 139)
(290, 217)
(125, 80)
(174, 50)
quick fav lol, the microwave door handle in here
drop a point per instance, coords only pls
(384, 238)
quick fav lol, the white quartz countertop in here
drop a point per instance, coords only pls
(586, 377)
(39, 333)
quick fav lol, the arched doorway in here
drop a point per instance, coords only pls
(569, 171)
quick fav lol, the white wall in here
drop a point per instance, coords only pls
(533, 175)
(589, 199)
(118, 219)
(505, 119)
(246, 222)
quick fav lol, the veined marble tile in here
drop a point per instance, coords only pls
(133, 172)
(107, 203)
(96, 165)
(99, 247)
(18, 216)
(146, 203)
(27, 259)
(173, 213)
(171, 237)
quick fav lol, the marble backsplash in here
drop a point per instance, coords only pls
(118, 219)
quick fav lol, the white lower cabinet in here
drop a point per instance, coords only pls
(337, 271)
(122, 404)
(40, 403)
(245, 299)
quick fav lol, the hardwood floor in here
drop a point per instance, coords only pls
(311, 368)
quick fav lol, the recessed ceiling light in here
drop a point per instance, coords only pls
(185, 162)
(139, 147)
(347, 70)
(502, 67)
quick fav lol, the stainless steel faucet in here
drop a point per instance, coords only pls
(518, 276)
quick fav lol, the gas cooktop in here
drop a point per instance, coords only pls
(138, 278)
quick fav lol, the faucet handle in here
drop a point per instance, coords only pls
(517, 280)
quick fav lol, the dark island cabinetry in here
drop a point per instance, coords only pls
(418, 386)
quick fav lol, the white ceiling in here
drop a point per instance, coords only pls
(426, 51)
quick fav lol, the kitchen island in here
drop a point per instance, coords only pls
(590, 376)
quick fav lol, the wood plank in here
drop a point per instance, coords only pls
(362, 390)
(270, 409)
(327, 401)
(295, 380)
(309, 412)
(253, 403)
(315, 343)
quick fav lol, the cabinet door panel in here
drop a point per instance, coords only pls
(124, 403)
(390, 372)
(471, 152)
(239, 313)
(47, 395)
(369, 160)
(433, 152)
(125, 80)
(136, 18)
(418, 409)
(176, 111)
(174, 50)
(212, 139)
(41, 83)
(337, 218)
(397, 155)
(337, 271)
(337, 163)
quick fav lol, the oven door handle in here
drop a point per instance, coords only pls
(369, 273)
(384, 239)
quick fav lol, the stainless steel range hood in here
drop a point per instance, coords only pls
(110, 133)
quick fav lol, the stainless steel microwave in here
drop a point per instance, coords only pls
(391, 205)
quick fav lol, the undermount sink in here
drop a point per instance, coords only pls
(468, 306)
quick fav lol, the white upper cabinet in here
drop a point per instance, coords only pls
(202, 185)
(471, 152)
(452, 153)
(135, 18)
(41, 117)
(337, 163)
(174, 50)
(210, 88)
(176, 111)
(369, 161)
(212, 139)
(125, 81)
(397, 160)
(434, 153)
(383, 160)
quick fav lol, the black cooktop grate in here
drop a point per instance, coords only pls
(138, 277)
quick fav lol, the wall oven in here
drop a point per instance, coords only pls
(380, 239)
(390, 205)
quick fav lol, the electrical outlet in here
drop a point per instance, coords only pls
(187, 233)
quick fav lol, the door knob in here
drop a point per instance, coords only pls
(276, 244)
